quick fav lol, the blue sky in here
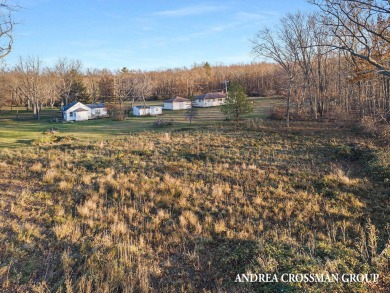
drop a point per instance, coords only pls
(144, 34)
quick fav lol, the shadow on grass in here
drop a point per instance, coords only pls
(216, 268)
(24, 141)
(357, 170)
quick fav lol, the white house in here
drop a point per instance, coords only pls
(209, 100)
(77, 111)
(98, 110)
(177, 103)
(147, 110)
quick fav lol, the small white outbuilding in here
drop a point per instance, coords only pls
(147, 110)
(156, 110)
(177, 103)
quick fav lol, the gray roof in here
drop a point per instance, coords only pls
(210, 96)
(177, 99)
(80, 110)
(95, 106)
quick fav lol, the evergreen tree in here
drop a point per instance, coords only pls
(78, 92)
(236, 103)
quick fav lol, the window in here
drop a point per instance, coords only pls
(70, 114)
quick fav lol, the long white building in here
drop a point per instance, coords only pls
(209, 100)
(147, 110)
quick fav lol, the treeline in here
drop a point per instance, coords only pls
(333, 61)
(34, 86)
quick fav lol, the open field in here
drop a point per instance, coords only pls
(293, 197)
(21, 132)
(122, 206)
(185, 211)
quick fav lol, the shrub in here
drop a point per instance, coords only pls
(278, 113)
(162, 123)
(116, 111)
(372, 128)
(45, 140)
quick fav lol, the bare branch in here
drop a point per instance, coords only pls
(6, 27)
(361, 28)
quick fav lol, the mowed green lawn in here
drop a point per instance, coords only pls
(22, 131)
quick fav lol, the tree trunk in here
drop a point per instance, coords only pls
(387, 98)
(288, 103)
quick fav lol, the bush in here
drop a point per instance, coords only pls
(370, 127)
(278, 113)
(117, 112)
(162, 123)
(45, 140)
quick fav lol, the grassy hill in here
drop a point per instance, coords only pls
(185, 210)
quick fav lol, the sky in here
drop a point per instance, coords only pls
(144, 34)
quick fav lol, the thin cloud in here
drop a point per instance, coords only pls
(253, 17)
(190, 10)
(237, 22)
(245, 16)
(216, 29)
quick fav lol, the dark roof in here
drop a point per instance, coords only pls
(209, 96)
(142, 107)
(80, 110)
(95, 106)
(91, 106)
(147, 107)
(69, 106)
(177, 99)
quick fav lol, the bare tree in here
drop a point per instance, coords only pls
(281, 48)
(29, 83)
(49, 88)
(67, 71)
(361, 27)
(6, 93)
(143, 87)
(107, 87)
(124, 85)
(191, 114)
(92, 83)
(300, 26)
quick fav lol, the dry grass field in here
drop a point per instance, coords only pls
(185, 210)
